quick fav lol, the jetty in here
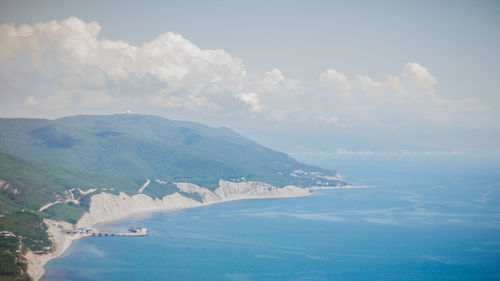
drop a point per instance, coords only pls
(132, 232)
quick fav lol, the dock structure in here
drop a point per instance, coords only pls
(133, 232)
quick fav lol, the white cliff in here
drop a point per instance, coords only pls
(107, 207)
(248, 190)
(206, 195)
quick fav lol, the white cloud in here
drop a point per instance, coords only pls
(251, 99)
(62, 68)
(332, 78)
(68, 56)
(275, 82)
(31, 101)
(404, 100)
(418, 76)
(335, 121)
(169, 58)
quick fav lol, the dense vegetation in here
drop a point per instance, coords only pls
(33, 231)
(43, 161)
(28, 225)
(139, 147)
(10, 268)
(30, 184)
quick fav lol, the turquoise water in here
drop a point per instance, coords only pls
(425, 219)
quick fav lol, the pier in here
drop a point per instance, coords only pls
(133, 232)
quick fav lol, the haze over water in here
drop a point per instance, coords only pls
(426, 218)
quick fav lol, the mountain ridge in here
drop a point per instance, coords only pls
(147, 146)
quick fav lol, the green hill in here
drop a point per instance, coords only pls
(27, 184)
(139, 146)
(42, 161)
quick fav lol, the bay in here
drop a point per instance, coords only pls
(425, 218)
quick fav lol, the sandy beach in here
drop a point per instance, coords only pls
(61, 242)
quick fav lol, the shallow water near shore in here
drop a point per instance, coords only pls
(426, 218)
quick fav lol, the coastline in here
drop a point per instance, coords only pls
(105, 207)
(61, 242)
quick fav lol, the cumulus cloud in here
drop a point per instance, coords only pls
(60, 68)
(334, 79)
(74, 44)
(252, 100)
(401, 100)
(68, 56)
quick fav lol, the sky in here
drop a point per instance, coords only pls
(305, 77)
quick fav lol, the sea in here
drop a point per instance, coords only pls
(423, 217)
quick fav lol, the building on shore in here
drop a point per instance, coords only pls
(7, 234)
